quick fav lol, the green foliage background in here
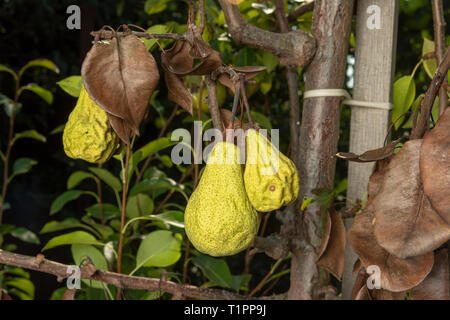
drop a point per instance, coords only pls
(55, 206)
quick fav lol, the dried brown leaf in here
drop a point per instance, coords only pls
(396, 274)
(178, 92)
(331, 252)
(371, 155)
(435, 165)
(120, 76)
(405, 223)
(436, 284)
(249, 73)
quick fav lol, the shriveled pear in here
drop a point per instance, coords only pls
(88, 134)
(219, 218)
(271, 178)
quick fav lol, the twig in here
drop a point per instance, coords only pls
(213, 104)
(293, 48)
(123, 211)
(169, 195)
(8, 149)
(439, 40)
(430, 96)
(115, 279)
(201, 5)
(161, 133)
(291, 76)
(266, 277)
(107, 34)
(301, 10)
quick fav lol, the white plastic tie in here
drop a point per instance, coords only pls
(347, 98)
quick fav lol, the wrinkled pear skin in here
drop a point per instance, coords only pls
(219, 219)
(88, 134)
(268, 192)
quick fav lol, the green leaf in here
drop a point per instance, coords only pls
(270, 61)
(58, 293)
(157, 28)
(67, 223)
(240, 281)
(24, 285)
(29, 134)
(157, 184)
(261, 119)
(159, 249)
(80, 252)
(109, 211)
(266, 84)
(25, 235)
(77, 177)
(434, 112)
(108, 178)
(44, 63)
(9, 105)
(64, 198)
(1, 241)
(174, 217)
(4, 68)
(71, 85)
(41, 92)
(403, 96)
(155, 6)
(21, 166)
(151, 148)
(58, 129)
(430, 65)
(76, 237)
(216, 270)
(139, 205)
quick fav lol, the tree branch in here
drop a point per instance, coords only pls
(301, 10)
(296, 47)
(119, 280)
(439, 40)
(292, 81)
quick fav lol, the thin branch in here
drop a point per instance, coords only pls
(201, 6)
(430, 96)
(123, 211)
(439, 40)
(213, 104)
(292, 81)
(161, 133)
(107, 34)
(119, 280)
(301, 10)
(293, 48)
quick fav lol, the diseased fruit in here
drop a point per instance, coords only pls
(88, 134)
(219, 218)
(271, 178)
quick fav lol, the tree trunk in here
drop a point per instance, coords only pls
(318, 138)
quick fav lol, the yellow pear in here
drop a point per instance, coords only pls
(88, 134)
(270, 178)
(219, 219)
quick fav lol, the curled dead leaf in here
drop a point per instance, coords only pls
(436, 284)
(120, 76)
(435, 165)
(371, 155)
(406, 225)
(396, 274)
(331, 252)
